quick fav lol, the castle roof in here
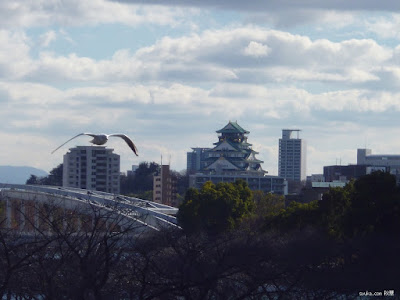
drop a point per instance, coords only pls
(229, 163)
(232, 152)
(223, 162)
(233, 127)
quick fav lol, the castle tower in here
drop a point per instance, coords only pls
(232, 153)
(233, 158)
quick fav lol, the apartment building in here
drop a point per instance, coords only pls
(92, 168)
(164, 187)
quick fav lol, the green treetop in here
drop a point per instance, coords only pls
(215, 208)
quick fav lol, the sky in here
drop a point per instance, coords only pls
(171, 73)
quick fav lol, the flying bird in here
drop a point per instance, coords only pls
(101, 139)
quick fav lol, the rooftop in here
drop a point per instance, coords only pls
(233, 127)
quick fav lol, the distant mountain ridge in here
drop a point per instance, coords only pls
(19, 174)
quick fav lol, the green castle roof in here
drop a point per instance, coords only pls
(233, 127)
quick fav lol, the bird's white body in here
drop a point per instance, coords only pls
(101, 139)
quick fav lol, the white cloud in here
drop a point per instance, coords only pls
(255, 55)
(168, 119)
(174, 93)
(283, 14)
(256, 49)
(14, 54)
(47, 38)
(254, 5)
(385, 27)
(39, 13)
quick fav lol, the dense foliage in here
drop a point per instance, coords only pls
(141, 181)
(245, 246)
(370, 204)
(215, 208)
(54, 178)
(107, 264)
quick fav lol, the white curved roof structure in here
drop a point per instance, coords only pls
(153, 216)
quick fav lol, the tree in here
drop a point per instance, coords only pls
(144, 176)
(367, 205)
(335, 207)
(141, 181)
(54, 178)
(182, 182)
(215, 208)
(71, 253)
(268, 204)
(33, 180)
(297, 216)
(375, 204)
(93, 254)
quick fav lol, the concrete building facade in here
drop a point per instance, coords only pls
(344, 173)
(196, 159)
(365, 157)
(92, 168)
(366, 164)
(164, 187)
(379, 162)
(292, 156)
(266, 183)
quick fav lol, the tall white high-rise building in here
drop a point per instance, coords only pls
(92, 168)
(292, 155)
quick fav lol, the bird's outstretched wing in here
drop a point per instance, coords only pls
(128, 141)
(91, 134)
